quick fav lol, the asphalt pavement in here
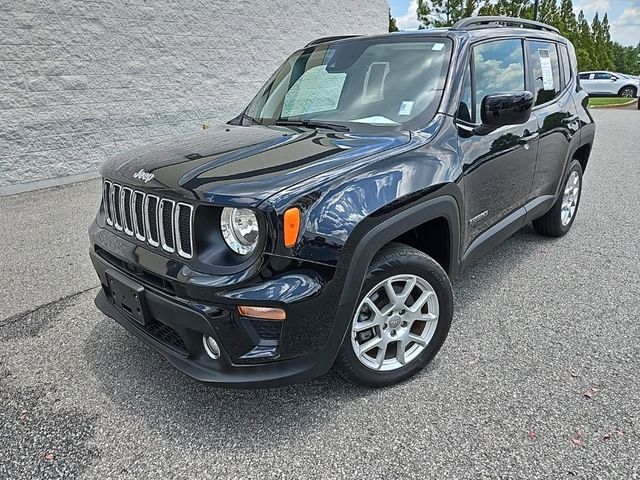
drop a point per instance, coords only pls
(539, 378)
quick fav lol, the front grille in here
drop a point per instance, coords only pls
(127, 215)
(116, 207)
(160, 222)
(166, 224)
(166, 335)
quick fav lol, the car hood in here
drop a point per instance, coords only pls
(236, 165)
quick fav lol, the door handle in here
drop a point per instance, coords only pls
(570, 120)
(528, 136)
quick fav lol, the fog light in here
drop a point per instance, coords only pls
(265, 313)
(211, 347)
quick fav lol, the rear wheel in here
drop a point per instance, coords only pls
(401, 321)
(629, 92)
(557, 221)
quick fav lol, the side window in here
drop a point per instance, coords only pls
(543, 58)
(566, 65)
(602, 76)
(584, 76)
(498, 68)
(465, 109)
(315, 91)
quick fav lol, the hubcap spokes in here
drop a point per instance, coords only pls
(395, 322)
(570, 198)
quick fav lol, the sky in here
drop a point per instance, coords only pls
(624, 16)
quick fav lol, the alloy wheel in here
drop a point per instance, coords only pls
(628, 93)
(395, 322)
(570, 198)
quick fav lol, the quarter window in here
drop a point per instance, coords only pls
(498, 68)
(566, 64)
(465, 109)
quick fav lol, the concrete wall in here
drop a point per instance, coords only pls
(81, 80)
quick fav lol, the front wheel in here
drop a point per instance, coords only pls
(402, 319)
(557, 221)
(628, 92)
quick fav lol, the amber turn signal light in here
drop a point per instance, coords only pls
(265, 313)
(291, 226)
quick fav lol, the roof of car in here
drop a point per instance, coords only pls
(474, 28)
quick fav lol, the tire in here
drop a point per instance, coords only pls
(554, 223)
(629, 92)
(394, 264)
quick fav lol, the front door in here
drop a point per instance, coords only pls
(499, 163)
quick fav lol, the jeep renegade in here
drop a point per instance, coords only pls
(322, 225)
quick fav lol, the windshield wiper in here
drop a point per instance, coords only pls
(244, 116)
(313, 124)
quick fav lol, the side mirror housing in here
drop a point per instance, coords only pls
(506, 108)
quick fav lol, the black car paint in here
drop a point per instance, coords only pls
(357, 191)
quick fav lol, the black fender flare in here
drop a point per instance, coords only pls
(443, 205)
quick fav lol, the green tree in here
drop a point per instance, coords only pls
(444, 13)
(509, 8)
(584, 44)
(393, 26)
(548, 12)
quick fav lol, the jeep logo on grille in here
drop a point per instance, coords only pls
(144, 176)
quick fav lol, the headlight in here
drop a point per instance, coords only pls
(239, 229)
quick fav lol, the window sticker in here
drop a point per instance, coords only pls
(405, 108)
(547, 72)
(437, 46)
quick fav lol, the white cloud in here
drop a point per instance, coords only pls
(626, 28)
(409, 21)
(590, 7)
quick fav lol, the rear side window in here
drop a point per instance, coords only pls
(602, 76)
(566, 64)
(584, 76)
(543, 59)
(498, 67)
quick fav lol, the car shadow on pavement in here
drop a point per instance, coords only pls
(146, 387)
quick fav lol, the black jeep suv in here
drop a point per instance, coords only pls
(321, 227)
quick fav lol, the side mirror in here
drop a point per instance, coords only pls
(613, 79)
(506, 108)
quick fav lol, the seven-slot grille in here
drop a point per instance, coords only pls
(160, 222)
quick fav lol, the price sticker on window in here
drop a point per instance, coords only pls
(405, 108)
(547, 71)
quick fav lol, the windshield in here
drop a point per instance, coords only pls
(390, 82)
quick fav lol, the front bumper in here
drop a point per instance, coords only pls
(178, 317)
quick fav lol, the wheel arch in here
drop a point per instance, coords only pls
(629, 85)
(442, 210)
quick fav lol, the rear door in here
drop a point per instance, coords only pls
(552, 78)
(499, 163)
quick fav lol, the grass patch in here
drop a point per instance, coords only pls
(596, 101)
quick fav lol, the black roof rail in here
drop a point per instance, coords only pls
(473, 23)
(329, 39)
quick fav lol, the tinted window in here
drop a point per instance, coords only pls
(465, 110)
(584, 76)
(566, 64)
(366, 82)
(543, 58)
(498, 68)
(602, 76)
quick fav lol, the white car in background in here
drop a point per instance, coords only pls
(610, 83)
